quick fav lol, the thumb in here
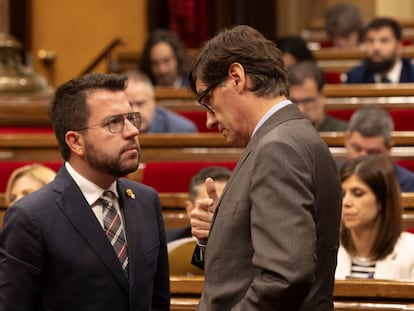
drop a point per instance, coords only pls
(211, 189)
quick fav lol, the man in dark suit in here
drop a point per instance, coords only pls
(384, 63)
(370, 132)
(140, 93)
(89, 240)
(274, 235)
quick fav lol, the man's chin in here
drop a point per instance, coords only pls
(381, 66)
(167, 81)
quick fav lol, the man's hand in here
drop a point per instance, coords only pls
(202, 215)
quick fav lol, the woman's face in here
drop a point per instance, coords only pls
(23, 186)
(360, 208)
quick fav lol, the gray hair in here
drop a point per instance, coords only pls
(372, 121)
(140, 77)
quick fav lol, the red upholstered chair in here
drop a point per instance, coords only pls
(175, 176)
(333, 77)
(6, 168)
(325, 44)
(343, 114)
(199, 118)
(403, 119)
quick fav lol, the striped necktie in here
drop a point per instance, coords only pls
(114, 229)
(384, 79)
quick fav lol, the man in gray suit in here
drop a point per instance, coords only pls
(273, 239)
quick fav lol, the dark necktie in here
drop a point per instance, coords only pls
(384, 79)
(114, 229)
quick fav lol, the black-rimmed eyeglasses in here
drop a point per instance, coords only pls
(201, 100)
(116, 123)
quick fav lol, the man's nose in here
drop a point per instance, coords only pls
(211, 121)
(130, 129)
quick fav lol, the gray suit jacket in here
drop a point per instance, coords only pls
(274, 238)
(54, 254)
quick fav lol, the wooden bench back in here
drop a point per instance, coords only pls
(362, 295)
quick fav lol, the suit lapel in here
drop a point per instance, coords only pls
(286, 113)
(128, 203)
(79, 213)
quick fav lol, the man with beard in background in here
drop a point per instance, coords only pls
(384, 63)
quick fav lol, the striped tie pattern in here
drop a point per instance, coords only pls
(113, 229)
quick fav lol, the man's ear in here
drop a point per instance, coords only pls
(237, 76)
(76, 142)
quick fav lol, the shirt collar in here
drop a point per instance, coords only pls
(90, 191)
(270, 112)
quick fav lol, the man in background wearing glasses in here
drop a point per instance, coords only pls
(306, 90)
(89, 240)
(273, 239)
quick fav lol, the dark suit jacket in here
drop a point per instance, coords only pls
(54, 254)
(178, 233)
(166, 121)
(330, 124)
(274, 238)
(405, 178)
(362, 74)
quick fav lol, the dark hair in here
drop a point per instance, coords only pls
(260, 57)
(295, 46)
(69, 109)
(381, 22)
(299, 72)
(169, 37)
(343, 19)
(378, 173)
(218, 173)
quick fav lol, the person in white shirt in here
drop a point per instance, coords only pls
(372, 241)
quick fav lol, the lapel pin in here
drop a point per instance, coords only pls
(130, 193)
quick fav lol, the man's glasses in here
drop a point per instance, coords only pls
(202, 101)
(116, 123)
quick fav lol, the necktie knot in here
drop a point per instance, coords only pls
(384, 79)
(106, 199)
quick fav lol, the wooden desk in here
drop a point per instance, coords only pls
(362, 295)
(175, 216)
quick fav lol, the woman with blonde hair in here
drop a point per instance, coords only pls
(27, 179)
(373, 244)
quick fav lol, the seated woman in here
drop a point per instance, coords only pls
(372, 244)
(27, 179)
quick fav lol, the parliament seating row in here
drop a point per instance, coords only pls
(362, 295)
(328, 58)
(171, 180)
(191, 147)
(30, 113)
(403, 118)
